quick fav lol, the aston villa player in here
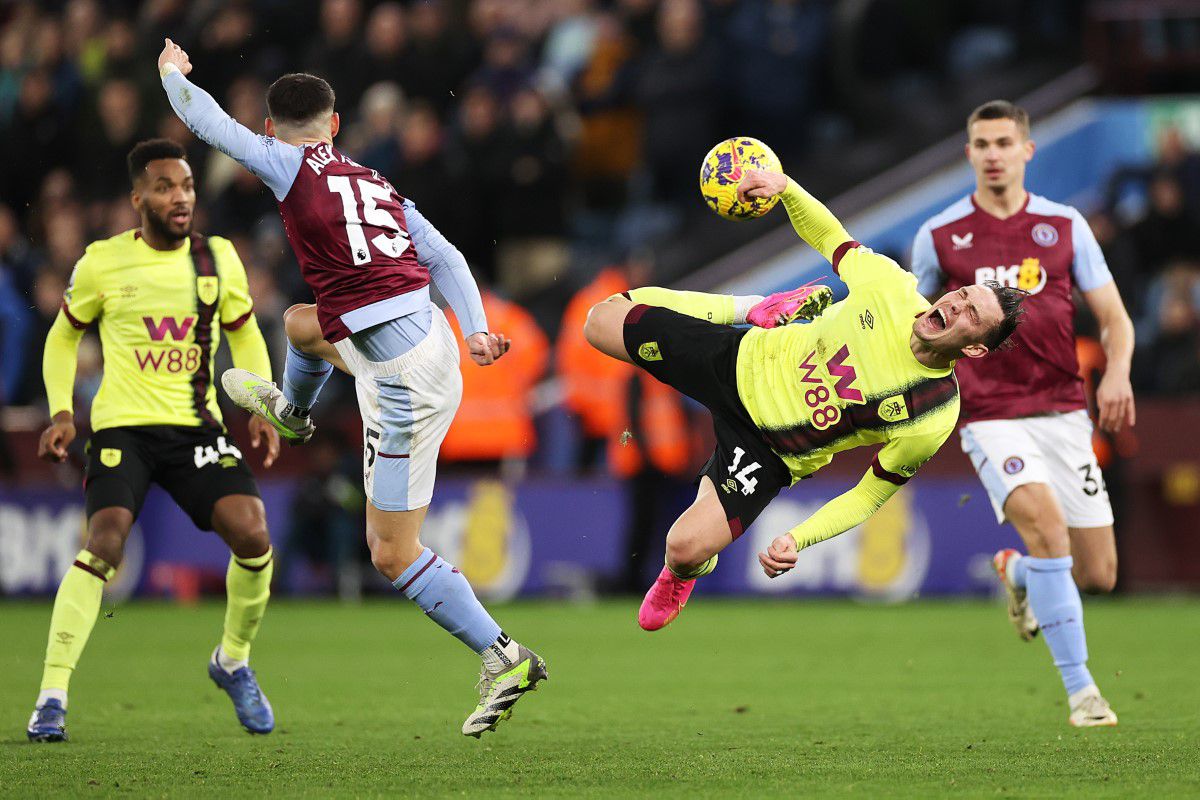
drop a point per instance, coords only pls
(1027, 429)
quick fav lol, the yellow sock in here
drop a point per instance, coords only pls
(718, 308)
(76, 607)
(247, 589)
(697, 572)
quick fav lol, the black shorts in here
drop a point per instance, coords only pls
(700, 359)
(196, 466)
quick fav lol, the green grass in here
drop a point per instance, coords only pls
(736, 699)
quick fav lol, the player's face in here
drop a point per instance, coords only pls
(998, 152)
(960, 321)
(165, 196)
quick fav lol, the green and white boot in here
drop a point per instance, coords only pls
(504, 678)
(264, 399)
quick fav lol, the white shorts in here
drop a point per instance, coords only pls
(407, 405)
(1055, 449)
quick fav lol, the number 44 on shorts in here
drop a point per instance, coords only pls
(207, 454)
(743, 476)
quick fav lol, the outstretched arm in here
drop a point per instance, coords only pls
(274, 162)
(813, 222)
(837, 516)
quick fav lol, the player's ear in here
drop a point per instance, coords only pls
(335, 124)
(978, 350)
(269, 127)
(135, 199)
(1030, 147)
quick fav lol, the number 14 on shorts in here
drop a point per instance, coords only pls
(743, 477)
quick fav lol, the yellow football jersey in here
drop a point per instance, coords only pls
(849, 378)
(160, 314)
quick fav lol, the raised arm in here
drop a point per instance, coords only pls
(274, 162)
(813, 222)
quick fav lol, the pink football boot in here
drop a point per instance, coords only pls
(783, 308)
(664, 601)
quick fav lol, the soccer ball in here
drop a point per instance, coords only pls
(722, 171)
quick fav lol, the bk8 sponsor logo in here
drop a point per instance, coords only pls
(168, 358)
(1029, 275)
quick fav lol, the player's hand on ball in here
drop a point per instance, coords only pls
(485, 348)
(173, 54)
(780, 556)
(1114, 398)
(55, 439)
(261, 430)
(759, 183)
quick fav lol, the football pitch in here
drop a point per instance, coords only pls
(736, 699)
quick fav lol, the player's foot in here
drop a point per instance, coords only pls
(1019, 613)
(264, 399)
(1090, 710)
(252, 707)
(664, 601)
(499, 691)
(48, 723)
(783, 308)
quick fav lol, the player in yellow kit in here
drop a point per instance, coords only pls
(875, 368)
(161, 295)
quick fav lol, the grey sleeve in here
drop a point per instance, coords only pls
(275, 163)
(924, 262)
(448, 269)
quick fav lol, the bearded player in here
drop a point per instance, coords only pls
(369, 255)
(1027, 429)
(161, 294)
(874, 369)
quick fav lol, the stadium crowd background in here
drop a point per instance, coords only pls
(556, 142)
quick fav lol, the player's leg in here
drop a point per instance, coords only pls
(407, 406)
(117, 479)
(309, 363)
(1054, 598)
(205, 474)
(1094, 551)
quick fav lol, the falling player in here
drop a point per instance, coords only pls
(368, 255)
(1027, 429)
(876, 368)
(161, 294)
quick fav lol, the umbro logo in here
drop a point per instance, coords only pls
(963, 242)
(866, 320)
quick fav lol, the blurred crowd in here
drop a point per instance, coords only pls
(1149, 230)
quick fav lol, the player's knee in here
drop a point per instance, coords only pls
(252, 538)
(301, 325)
(684, 550)
(1097, 577)
(388, 557)
(593, 328)
(107, 533)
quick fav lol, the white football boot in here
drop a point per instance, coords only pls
(264, 399)
(507, 674)
(1019, 613)
(1090, 710)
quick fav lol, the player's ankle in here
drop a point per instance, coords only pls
(51, 694)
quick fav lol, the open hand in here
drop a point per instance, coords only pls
(780, 556)
(173, 54)
(758, 183)
(486, 347)
(261, 430)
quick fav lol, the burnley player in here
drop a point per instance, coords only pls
(1026, 427)
(874, 369)
(161, 295)
(368, 255)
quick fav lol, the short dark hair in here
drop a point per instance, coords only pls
(299, 98)
(1000, 109)
(151, 150)
(1011, 314)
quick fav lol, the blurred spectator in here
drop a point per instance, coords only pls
(532, 251)
(1183, 164)
(38, 139)
(222, 45)
(47, 299)
(338, 55)
(423, 175)
(1168, 355)
(100, 167)
(439, 59)
(15, 337)
(375, 140)
(505, 67)
(676, 87)
(1166, 232)
(387, 41)
(494, 422)
(17, 257)
(480, 172)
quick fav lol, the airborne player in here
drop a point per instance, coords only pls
(369, 255)
(874, 369)
(1026, 427)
